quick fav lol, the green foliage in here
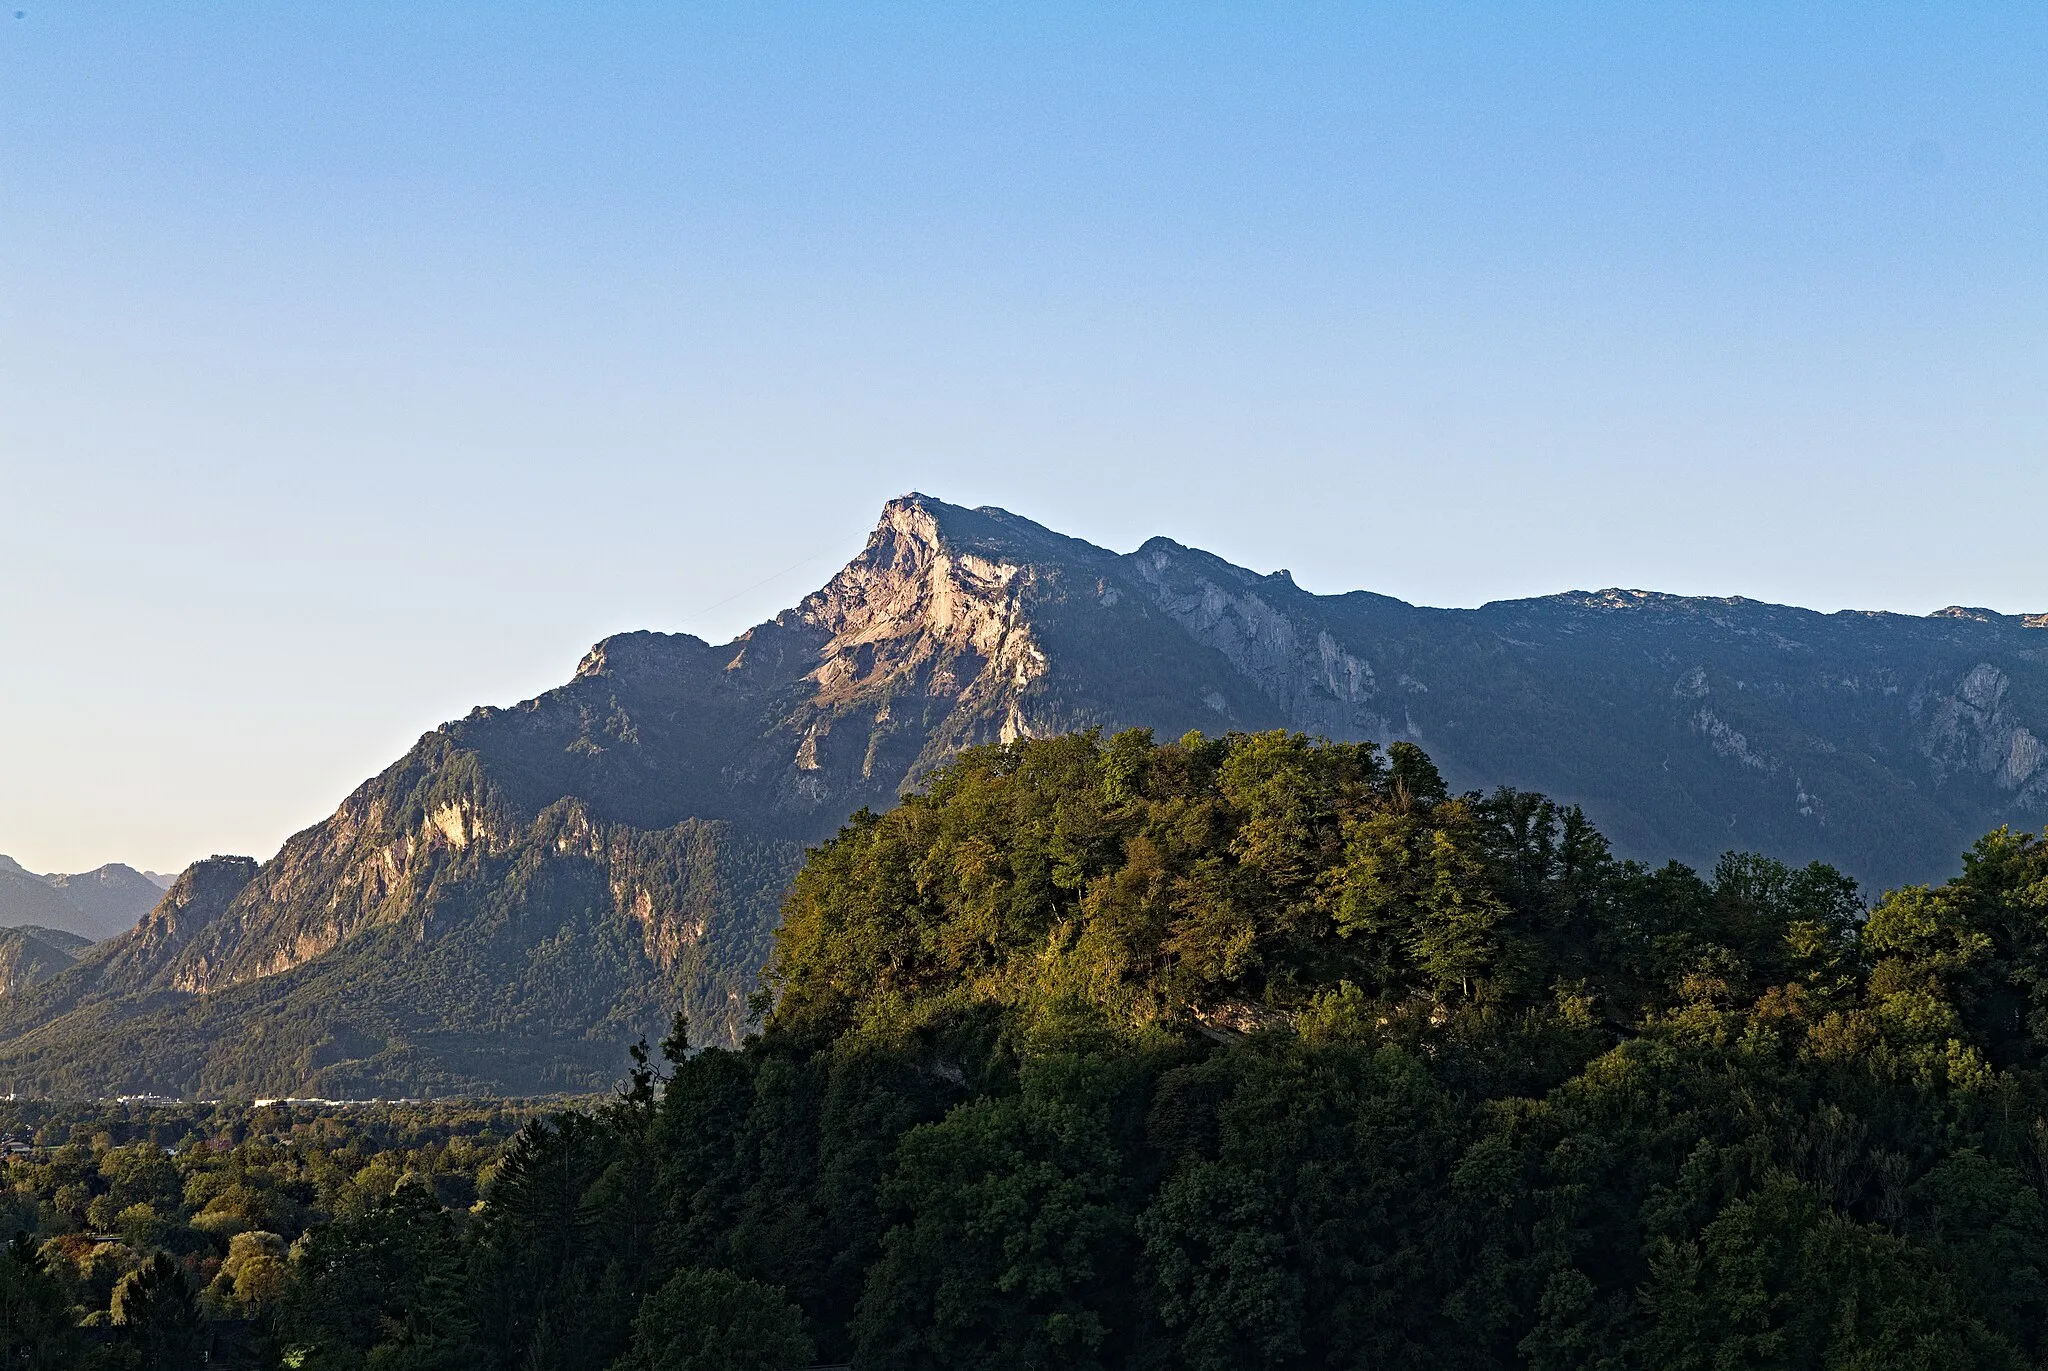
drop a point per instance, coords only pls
(1249, 1052)
(1300, 1220)
(1017, 1214)
(35, 1332)
(1424, 1079)
(710, 1320)
(127, 1208)
(155, 1308)
(545, 1284)
(382, 1290)
(1776, 1279)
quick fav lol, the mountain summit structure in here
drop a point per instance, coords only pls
(531, 888)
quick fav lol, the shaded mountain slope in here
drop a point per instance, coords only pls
(532, 887)
(1686, 726)
(30, 955)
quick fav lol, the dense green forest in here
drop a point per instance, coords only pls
(1239, 1053)
(199, 1207)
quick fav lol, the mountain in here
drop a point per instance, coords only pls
(532, 887)
(93, 904)
(111, 898)
(31, 955)
(26, 898)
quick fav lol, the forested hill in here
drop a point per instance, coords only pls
(531, 888)
(1261, 1053)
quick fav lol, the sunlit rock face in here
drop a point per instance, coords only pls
(531, 888)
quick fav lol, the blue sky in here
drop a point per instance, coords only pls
(360, 363)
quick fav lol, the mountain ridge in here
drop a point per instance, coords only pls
(94, 904)
(532, 886)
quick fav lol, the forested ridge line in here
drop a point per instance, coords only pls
(1266, 1052)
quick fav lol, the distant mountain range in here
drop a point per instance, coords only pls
(92, 904)
(530, 888)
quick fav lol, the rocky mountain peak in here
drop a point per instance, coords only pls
(641, 652)
(201, 894)
(1621, 599)
(1990, 616)
(935, 603)
(911, 579)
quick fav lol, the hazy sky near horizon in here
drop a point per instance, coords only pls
(360, 363)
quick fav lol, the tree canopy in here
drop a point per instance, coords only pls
(1264, 1052)
(1259, 1051)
